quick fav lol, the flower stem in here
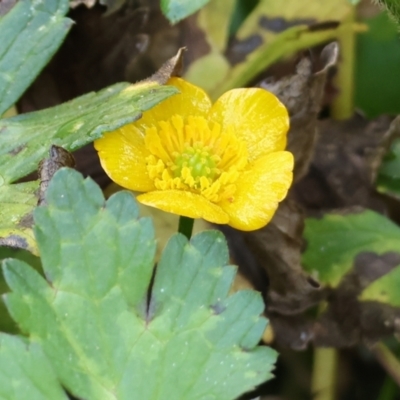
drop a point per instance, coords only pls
(186, 226)
(324, 373)
(388, 361)
(342, 106)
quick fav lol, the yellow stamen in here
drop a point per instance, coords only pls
(191, 155)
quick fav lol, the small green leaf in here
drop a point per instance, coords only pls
(385, 289)
(25, 372)
(192, 341)
(31, 32)
(6, 322)
(176, 10)
(335, 240)
(388, 179)
(25, 139)
(16, 205)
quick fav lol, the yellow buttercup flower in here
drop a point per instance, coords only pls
(224, 162)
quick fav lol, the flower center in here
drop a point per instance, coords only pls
(195, 156)
(198, 160)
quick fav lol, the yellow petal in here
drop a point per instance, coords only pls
(259, 189)
(191, 100)
(258, 118)
(183, 203)
(123, 155)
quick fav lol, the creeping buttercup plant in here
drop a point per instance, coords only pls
(95, 318)
(99, 302)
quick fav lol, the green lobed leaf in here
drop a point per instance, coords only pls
(25, 372)
(388, 178)
(335, 240)
(26, 139)
(193, 340)
(385, 289)
(377, 85)
(17, 202)
(6, 322)
(176, 10)
(31, 32)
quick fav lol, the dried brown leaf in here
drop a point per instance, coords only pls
(59, 158)
(345, 162)
(277, 249)
(172, 67)
(302, 94)
(6, 6)
(348, 321)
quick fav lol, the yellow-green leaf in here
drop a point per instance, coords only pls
(16, 205)
(385, 289)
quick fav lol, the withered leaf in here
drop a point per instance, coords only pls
(277, 250)
(59, 158)
(345, 163)
(172, 67)
(302, 94)
(348, 321)
(17, 202)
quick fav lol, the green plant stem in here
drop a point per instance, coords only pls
(283, 46)
(324, 374)
(186, 226)
(388, 360)
(343, 104)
